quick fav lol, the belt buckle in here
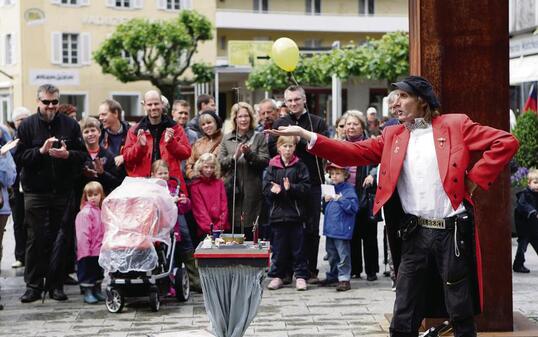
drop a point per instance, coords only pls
(437, 223)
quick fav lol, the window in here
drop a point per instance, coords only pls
(125, 3)
(71, 2)
(71, 48)
(78, 101)
(366, 7)
(130, 103)
(312, 44)
(174, 5)
(260, 5)
(313, 6)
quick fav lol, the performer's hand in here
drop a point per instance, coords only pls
(470, 186)
(275, 188)
(368, 181)
(141, 137)
(168, 134)
(291, 130)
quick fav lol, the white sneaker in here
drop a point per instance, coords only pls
(275, 284)
(300, 284)
(17, 264)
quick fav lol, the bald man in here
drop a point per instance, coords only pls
(155, 137)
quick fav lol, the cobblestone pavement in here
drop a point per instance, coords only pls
(283, 313)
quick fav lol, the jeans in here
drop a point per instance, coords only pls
(339, 252)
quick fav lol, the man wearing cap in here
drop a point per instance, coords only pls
(425, 185)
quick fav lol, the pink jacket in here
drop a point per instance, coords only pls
(90, 231)
(209, 204)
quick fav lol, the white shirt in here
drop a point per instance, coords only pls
(419, 186)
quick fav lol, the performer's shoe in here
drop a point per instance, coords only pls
(521, 269)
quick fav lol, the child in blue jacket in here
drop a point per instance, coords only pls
(340, 211)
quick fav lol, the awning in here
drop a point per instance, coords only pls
(523, 69)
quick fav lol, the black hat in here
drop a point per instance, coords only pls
(214, 115)
(418, 86)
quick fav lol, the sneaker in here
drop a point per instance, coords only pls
(328, 283)
(17, 264)
(521, 269)
(276, 283)
(300, 284)
(343, 286)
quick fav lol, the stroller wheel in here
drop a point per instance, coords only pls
(154, 301)
(181, 284)
(114, 300)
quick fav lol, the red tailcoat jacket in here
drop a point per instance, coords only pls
(455, 136)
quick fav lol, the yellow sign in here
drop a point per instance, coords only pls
(248, 53)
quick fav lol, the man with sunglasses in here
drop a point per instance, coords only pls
(50, 154)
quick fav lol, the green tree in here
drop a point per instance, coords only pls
(157, 51)
(526, 131)
(382, 59)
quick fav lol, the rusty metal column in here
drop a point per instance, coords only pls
(462, 48)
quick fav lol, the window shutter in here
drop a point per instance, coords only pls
(84, 2)
(56, 48)
(110, 3)
(161, 4)
(138, 4)
(186, 4)
(85, 48)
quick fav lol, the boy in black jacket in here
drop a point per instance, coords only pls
(285, 185)
(526, 219)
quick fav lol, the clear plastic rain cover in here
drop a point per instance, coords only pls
(136, 215)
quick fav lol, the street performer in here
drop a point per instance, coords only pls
(426, 187)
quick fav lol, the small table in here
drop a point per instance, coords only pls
(231, 278)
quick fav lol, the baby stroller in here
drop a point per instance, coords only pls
(139, 243)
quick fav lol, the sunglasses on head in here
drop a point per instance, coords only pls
(49, 102)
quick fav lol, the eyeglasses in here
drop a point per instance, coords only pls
(49, 102)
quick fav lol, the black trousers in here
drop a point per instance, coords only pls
(89, 272)
(45, 250)
(288, 241)
(527, 232)
(311, 232)
(424, 247)
(19, 227)
(364, 235)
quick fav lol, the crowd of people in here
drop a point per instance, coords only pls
(60, 170)
(265, 174)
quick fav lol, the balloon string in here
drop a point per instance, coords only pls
(293, 78)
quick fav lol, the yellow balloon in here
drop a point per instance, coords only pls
(285, 53)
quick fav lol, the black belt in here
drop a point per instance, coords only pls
(444, 223)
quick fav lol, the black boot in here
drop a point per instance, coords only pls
(31, 295)
(58, 294)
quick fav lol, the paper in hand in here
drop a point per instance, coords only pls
(327, 189)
